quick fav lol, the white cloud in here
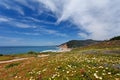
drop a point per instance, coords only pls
(11, 5)
(10, 39)
(27, 33)
(99, 18)
(3, 19)
(37, 20)
(14, 22)
(23, 25)
(51, 32)
(83, 35)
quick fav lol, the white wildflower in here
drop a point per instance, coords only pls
(106, 68)
(16, 76)
(44, 70)
(96, 76)
(68, 72)
(96, 71)
(100, 66)
(109, 72)
(100, 78)
(103, 73)
(54, 75)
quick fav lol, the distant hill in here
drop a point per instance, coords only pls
(78, 43)
(115, 38)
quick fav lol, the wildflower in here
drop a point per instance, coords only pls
(72, 74)
(19, 77)
(50, 79)
(100, 78)
(118, 74)
(54, 75)
(103, 73)
(82, 75)
(103, 70)
(75, 71)
(68, 72)
(16, 76)
(96, 71)
(74, 66)
(39, 72)
(106, 68)
(94, 58)
(55, 68)
(58, 75)
(109, 72)
(100, 66)
(44, 70)
(69, 66)
(96, 76)
(117, 79)
(31, 78)
(67, 78)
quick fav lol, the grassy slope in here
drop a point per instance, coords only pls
(75, 65)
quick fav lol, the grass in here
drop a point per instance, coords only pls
(74, 65)
(4, 58)
(11, 65)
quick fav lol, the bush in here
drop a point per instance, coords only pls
(12, 65)
(1, 54)
(32, 52)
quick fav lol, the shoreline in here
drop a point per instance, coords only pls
(57, 50)
(60, 50)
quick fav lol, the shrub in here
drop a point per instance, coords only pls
(1, 54)
(32, 52)
(11, 65)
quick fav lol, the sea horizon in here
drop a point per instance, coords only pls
(24, 49)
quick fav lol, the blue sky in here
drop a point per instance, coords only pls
(46, 22)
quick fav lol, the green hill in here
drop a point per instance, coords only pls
(115, 38)
(79, 43)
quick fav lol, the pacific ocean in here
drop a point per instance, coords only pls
(25, 49)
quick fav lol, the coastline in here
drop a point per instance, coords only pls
(59, 50)
(18, 50)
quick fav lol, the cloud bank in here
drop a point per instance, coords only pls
(100, 19)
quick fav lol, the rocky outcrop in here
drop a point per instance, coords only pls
(63, 47)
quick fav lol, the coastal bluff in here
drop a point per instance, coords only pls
(77, 43)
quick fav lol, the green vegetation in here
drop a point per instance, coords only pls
(4, 58)
(115, 38)
(11, 65)
(1, 54)
(32, 52)
(80, 43)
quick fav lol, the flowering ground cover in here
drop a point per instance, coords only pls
(74, 65)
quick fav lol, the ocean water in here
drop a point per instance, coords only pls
(24, 49)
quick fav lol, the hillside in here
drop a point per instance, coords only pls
(104, 44)
(78, 43)
(115, 38)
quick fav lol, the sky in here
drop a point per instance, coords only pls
(52, 22)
